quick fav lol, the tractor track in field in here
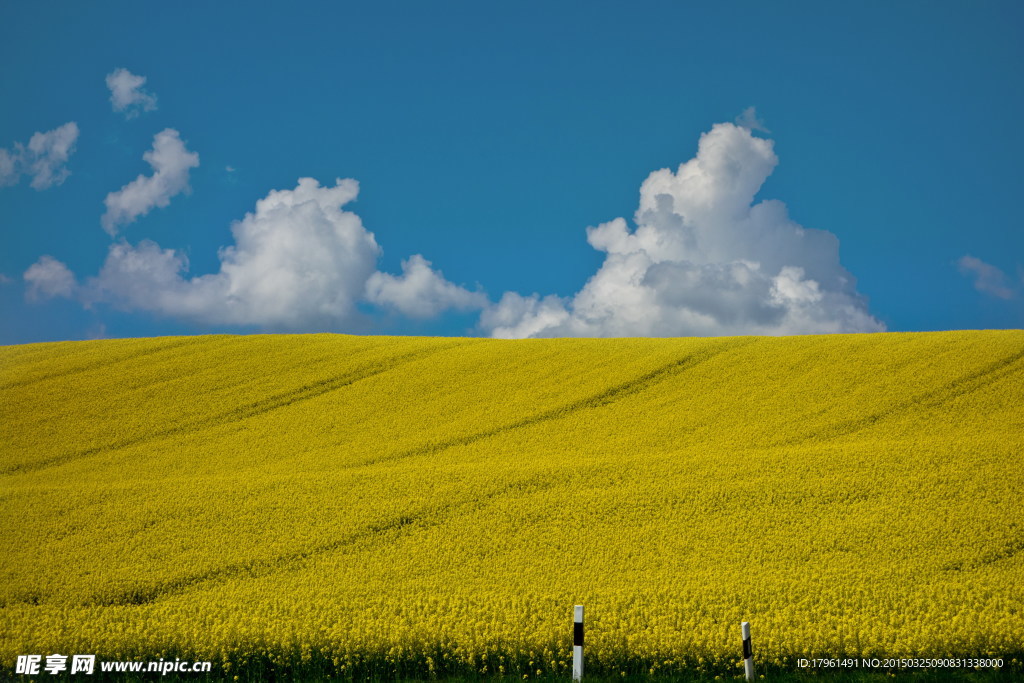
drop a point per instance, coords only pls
(243, 412)
(170, 346)
(427, 517)
(966, 384)
(604, 398)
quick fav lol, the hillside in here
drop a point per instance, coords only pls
(408, 503)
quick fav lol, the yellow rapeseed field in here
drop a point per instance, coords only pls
(418, 505)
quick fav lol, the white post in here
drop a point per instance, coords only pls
(577, 643)
(748, 653)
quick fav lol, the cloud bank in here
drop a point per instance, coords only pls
(704, 260)
(298, 262)
(171, 162)
(127, 95)
(44, 159)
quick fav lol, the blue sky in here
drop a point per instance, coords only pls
(875, 184)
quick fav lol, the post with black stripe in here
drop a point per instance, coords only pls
(748, 652)
(577, 643)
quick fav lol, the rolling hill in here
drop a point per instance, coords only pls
(357, 504)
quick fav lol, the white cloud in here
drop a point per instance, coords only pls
(47, 155)
(749, 120)
(171, 162)
(48, 278)
(44, 159)
(127, 95)
(9, 173)
(298, 262)
(420, 292)
(703, 260)
(988, 279)
(516, 316)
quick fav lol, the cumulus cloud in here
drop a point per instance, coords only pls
(420, 291)
(298, 262)
(44, 159)
(170, 161)
(988, 279)
(127, 95)
(48, 278)
(704, 260)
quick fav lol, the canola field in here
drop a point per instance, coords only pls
(390, 506)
